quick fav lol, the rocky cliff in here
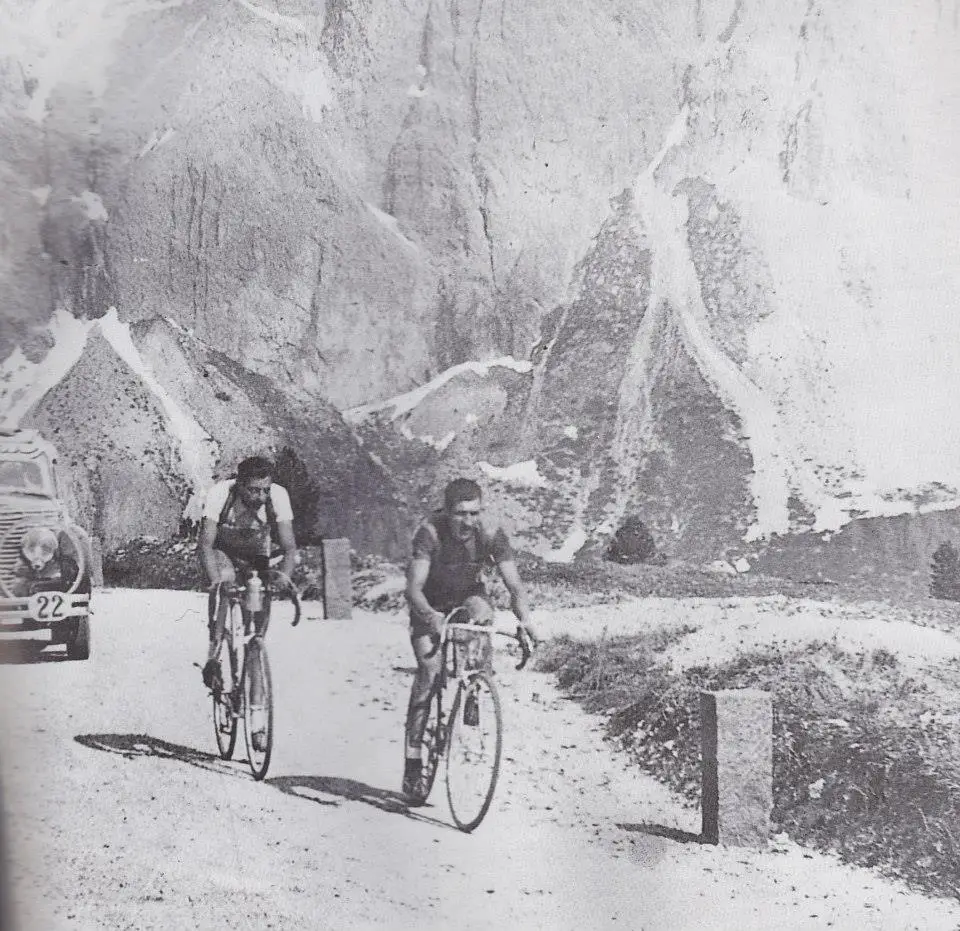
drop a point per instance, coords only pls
(715, 241)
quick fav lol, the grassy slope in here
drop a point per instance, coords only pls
(866, 755)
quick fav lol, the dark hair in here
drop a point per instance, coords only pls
(461, 489)
(254, 467)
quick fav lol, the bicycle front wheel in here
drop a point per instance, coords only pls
(431, 747)
(258, 709)
(474, 743)
(224, 713)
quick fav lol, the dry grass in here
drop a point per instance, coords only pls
(871, 773)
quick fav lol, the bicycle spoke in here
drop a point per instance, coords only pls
(224, 715)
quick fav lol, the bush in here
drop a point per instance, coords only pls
(151, 563)
(632, 542)
(870, 774)
(945, 573)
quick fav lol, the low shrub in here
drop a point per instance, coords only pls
(872, 775)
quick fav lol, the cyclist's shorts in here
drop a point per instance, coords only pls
(231, 567)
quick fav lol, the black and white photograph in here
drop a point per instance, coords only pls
(479, 464)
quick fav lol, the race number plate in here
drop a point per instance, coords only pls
(50, 606)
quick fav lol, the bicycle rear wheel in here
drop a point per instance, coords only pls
(224, 713)
(474, 743)
(258, 718)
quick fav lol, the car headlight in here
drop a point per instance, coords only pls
(39, 546)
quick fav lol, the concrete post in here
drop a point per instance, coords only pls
(737, 746)
(337, 587)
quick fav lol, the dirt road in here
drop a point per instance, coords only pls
(122, 817)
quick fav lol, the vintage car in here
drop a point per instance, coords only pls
(46, 560)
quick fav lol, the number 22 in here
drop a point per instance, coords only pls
(50, 607)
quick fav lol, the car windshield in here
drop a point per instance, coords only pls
(19, 475)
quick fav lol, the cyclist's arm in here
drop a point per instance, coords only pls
(288, 545)
(208, 536)
(417, 572)
(518, 596)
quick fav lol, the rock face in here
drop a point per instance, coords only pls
(719, 234)
(188, 415)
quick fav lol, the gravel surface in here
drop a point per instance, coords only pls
(121, 816)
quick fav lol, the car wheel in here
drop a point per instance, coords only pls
(78, 646)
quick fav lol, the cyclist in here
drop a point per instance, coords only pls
(451, 548)
(243, 520)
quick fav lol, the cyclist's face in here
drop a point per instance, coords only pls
(253, 492)
(464, 516)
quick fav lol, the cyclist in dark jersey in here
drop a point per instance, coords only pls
(451, 548)
(244, 521)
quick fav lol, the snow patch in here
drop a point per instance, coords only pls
(93, 205)
(571, 432)
(524, 473)
(427, 438)
(274, 18)
(23, 383)
(70, 44)
(570, 547)
(41, 194)
(416, 91)
(179, 327)
(778, 468)
(314, 90)
(155, 141)
(390, 222)
(198, 450)
(404, 403)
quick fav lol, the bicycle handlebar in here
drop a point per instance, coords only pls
(291, 591)
(526, 649)
(287, 587)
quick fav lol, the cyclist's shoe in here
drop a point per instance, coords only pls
(212, 676)
(259, 740)
(413, 782)
(471, 710)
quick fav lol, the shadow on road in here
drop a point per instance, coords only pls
(323, 790)
(313, 788)
(131, 746)
(30, 652)
(659, 830)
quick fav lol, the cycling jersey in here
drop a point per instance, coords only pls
(456, 566)
(242, 534)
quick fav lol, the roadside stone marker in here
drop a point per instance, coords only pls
(737, 746)
(337, 588)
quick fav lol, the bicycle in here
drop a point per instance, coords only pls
(241, 648)
(470, 738)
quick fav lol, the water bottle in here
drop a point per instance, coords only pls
(254, 594)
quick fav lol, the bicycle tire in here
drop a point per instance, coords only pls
(224, 713)
(259, 760)
(432, 744)
(473, 752)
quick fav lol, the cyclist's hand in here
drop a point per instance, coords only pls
(436, 622)
(530, 632)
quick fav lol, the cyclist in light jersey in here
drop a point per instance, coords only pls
(245, 520)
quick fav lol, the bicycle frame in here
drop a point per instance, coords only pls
(457, 666)
(240, 629)
(446, 641)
